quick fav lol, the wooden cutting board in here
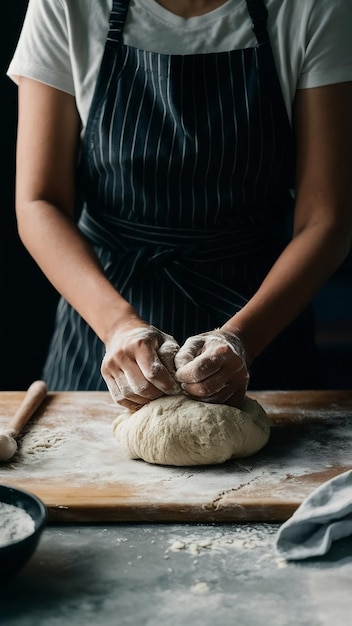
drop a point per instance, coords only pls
(69, 458)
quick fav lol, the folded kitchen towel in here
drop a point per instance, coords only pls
(324, 517)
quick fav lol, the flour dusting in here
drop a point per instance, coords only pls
(71, 446)
(15, 524)
(200, 588)
(241, 537)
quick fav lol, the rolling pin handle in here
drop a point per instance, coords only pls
(33, 398)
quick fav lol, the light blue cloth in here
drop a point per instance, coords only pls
(324, 517)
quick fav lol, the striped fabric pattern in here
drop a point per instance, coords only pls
(188, 146)
(185, 175)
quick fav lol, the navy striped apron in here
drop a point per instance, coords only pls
(183, 180)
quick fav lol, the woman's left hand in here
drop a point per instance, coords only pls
(211, 367)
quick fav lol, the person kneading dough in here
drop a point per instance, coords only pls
(211, 200)
(177, 430)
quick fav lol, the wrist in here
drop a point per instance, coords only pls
(242, 336)
(233, 339)
(117, 319)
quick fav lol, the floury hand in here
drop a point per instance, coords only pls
(139, 365)
(211, 367)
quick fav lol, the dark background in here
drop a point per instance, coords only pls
(27, 301)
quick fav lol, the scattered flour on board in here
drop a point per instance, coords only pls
(37, 442)
(243, 537)
(15, 524)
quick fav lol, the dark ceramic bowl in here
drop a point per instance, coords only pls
(13, 556)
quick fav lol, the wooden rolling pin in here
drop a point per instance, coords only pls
(33, 398)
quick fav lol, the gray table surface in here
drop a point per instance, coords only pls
(176, 574)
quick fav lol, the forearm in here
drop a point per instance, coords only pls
(47, 150)
(323, 217)
(301, 270)
(69, 262)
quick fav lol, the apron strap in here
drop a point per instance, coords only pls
(196, 245)
(259, 14)
(116, 22)
(138, 248)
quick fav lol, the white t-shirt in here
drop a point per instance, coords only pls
(62, 41)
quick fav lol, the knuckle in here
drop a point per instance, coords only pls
(154, 370)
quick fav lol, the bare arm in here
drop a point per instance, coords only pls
(322, 218)
(48, 136)
(47, 147)
(321, 240)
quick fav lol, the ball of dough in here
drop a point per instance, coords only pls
(175, 430)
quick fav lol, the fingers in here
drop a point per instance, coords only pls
(144, 363)
(166, 353)
(190, 349)
(219, 387)
(206, 364)
(134, 366)
(122, 387)
(211, 368)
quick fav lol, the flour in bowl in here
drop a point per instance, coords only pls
(15, 524)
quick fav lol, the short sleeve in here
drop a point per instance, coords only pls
(328, 45)
(42, 52)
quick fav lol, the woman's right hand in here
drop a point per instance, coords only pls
(138, 365)
(135, 366)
